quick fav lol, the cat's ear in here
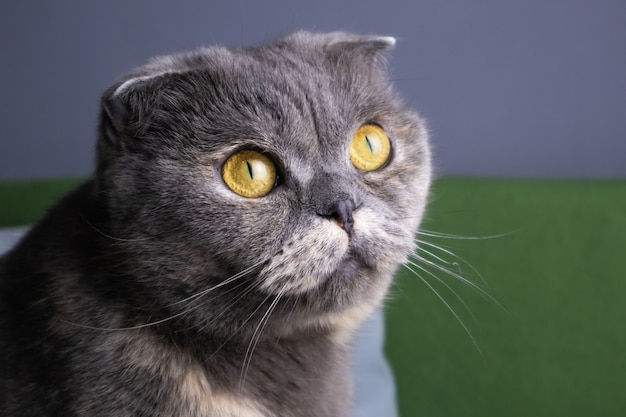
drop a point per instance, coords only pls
(113, 119)
(126, 108)
(345, 48)
(366, 46)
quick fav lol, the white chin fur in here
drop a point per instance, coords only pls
(307, 259)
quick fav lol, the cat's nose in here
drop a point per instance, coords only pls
(341, 212)
(334, 197)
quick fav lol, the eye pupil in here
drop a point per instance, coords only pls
(369, 144)
(249, 170)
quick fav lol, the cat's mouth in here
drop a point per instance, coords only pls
(308, 259)
(324, 252)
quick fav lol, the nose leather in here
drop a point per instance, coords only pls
(335, 197)
(342, 214)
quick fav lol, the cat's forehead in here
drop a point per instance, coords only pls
(301, 96)
(301, 55)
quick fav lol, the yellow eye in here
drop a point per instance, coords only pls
(370, 148)
(249, 173)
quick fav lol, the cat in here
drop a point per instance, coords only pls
(247, 212)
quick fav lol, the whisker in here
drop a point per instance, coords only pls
(241, 326)
(448, 306)
(137, 327)
(221, 284)
(431, 233)
(420, 246)
(450, 272)
(448, 252)
(456, 294)
(109, 236)
(207, 322)
(459, 278)
(223, 311)
(294, 305)
(176, 315)
(256, 336)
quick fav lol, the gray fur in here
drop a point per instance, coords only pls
(119, 302)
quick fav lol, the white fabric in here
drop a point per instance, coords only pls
(9, 237)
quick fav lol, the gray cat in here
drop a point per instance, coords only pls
(248, 210)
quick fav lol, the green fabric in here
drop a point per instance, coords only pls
(22, 202)
(557, 346)
(553, 344)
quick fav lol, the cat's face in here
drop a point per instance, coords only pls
(294, 159)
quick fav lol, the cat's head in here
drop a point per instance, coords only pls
(293, 161)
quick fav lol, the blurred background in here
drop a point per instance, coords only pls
(533, 89)
(526, 103)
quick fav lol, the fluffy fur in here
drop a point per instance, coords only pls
(154, 290)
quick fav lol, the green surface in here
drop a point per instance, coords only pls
(23, 202)
(557, 344)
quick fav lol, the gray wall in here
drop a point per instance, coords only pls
(510, 88)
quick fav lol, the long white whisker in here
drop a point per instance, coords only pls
(415, 264)
(179, 314)
(242, 325)
(204, 323)
(448, 306)
(431, 233)
(460, 278)
(241, 295)
(119, 239)
(256, 336)
(421, 244)
(287, 319)
(139, 326)
(221, 284)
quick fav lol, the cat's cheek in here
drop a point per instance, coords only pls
(306, 260)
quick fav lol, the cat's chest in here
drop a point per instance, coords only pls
(263, 398)
(200, 398)
(274, 380)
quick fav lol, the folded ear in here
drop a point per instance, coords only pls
(367, 45)
(344, 39)
(113, 118)
(362, 51)
(126, 107)
(346, 48)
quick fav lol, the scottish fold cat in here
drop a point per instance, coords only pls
(247, 212)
